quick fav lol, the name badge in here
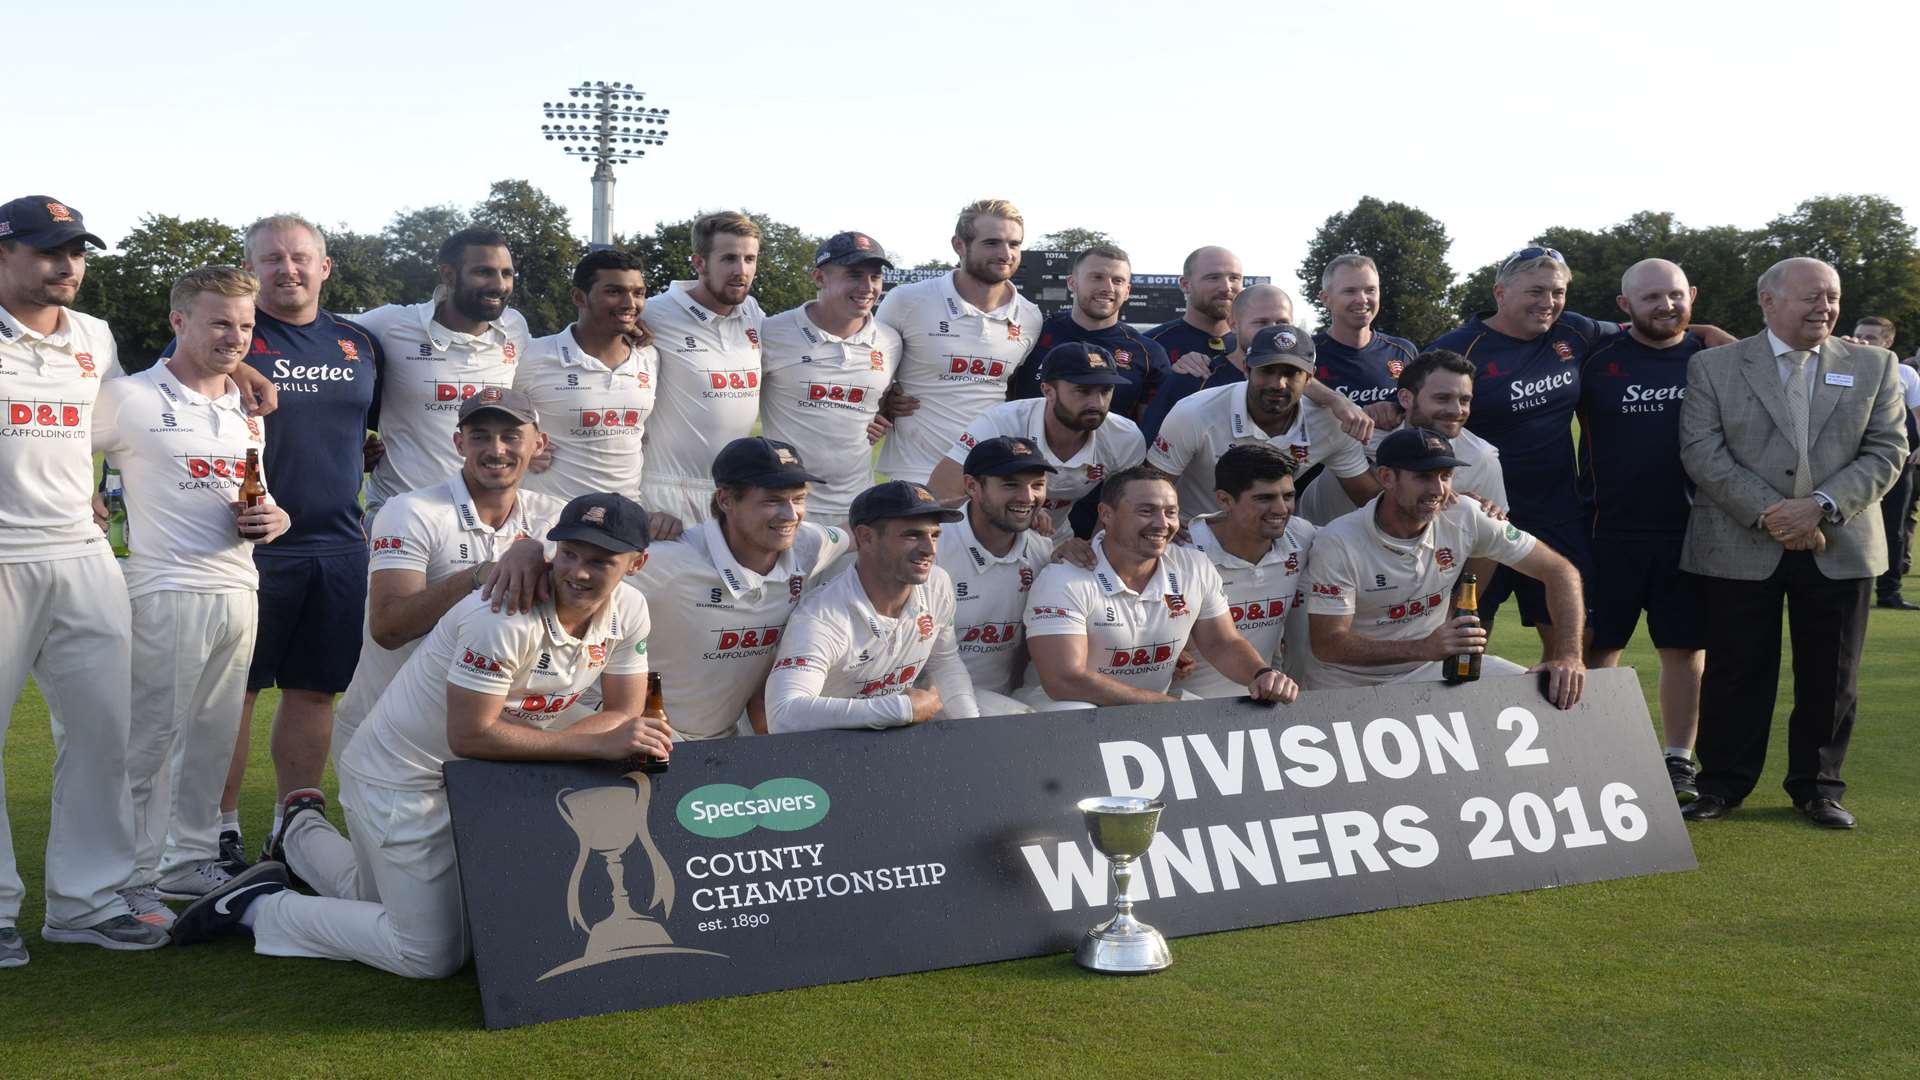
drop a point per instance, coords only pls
(1834, 378)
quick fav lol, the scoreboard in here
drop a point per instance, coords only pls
(1042, 278)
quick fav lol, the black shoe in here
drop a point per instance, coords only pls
(295, 804)
(1826, 813)
(219, 911)
(1708, 808)
(233, 851)
(1681, 771)
(1896, 602)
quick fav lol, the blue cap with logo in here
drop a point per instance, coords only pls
(45, 223)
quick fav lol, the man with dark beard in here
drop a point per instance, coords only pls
(1072, 424)
(992, 555)
(438, 354)
(1637, 498)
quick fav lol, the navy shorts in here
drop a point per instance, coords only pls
(1635, 572)
(313, 611)
(1569, 539)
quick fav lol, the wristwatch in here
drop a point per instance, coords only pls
(1831, 511)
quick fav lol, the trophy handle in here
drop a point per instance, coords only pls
(574, 917)
(662, 876)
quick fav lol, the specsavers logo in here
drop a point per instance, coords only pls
(783, 804)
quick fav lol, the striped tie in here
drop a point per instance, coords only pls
(1797, 416)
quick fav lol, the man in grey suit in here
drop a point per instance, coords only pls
(1791, 437)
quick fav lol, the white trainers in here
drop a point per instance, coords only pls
(122, 933)
(13, 951)
(194, 882)
(144, 901)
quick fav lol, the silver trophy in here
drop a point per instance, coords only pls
(1122, 829)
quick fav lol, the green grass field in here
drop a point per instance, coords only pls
(1791, 952)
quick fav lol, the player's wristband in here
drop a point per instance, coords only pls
(1262, 671)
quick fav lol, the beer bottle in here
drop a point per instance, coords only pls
(253, 491)
(115, 493)
(656, 706)
(1465, 667)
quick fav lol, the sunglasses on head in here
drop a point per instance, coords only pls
(1527, 254)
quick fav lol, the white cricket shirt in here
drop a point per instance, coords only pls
(593, 415)
(183, 457)
(1116, 444)
(1395, 589)
(720, 622)
(1204, 425)
(436, 531)
(709, 375)
(1133, 637)
(48, 383)
(1261, 597)
(820, 394)
(990, 597)
(528, 658)
(430, 370)
(844, 665)
(1325, 499)
(956, 359)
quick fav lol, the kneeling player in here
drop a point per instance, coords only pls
(858, 651)
(1260, 547)
(1110, 635)
(1378, 586)
(484, 684)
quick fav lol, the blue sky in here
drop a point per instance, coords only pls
(1168, 124)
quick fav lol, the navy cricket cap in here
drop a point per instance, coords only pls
(1417, 450)
(603, 519)
(1281, 344)
(851, 249)
(754, 461)
(500, 399)
(1083, 363)
(1004, 455)
(898, 499)
(44, 222)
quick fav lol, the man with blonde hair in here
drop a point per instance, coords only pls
(1355, 359)
(707, 332)
(963, 336)
(181, 437)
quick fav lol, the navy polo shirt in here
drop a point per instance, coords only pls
(1524, 396)
(1631, 480)
(1365, 375)
(1179, 337)
(1142, 361)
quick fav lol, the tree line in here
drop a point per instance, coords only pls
(1865, 237)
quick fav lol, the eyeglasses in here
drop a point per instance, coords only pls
(1528, 254)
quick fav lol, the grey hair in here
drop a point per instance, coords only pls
(1538, 262)
(276, 222)
(1341, 262)
(1776, 274)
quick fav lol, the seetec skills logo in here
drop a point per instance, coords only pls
(783, 804)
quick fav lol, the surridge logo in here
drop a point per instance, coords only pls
(782, 804)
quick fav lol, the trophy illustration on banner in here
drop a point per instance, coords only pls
(610, 820)
(1122, 829)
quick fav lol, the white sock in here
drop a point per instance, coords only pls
(1685, 753)
(230, 820)
(275, 831)
(252, 912)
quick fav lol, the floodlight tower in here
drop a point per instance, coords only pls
(603, 125)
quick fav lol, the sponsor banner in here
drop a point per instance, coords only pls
(770, 863)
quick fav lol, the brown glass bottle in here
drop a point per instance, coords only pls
(253, 492)
(1465, 667)
(656, 706)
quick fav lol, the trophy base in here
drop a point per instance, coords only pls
(1118, 947)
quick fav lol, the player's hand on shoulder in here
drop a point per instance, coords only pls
(664, 526)
(1354, 420)
(1042, 521)
(1196, 365)
(1385, 414)
(1074, 550)
(926, 703)
(1492, 508)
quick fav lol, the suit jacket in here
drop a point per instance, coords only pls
(1736, 444)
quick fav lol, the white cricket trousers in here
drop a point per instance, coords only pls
(390, 896)
(190, 657)
(67, 623)
(688, 498)
(992, 704)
